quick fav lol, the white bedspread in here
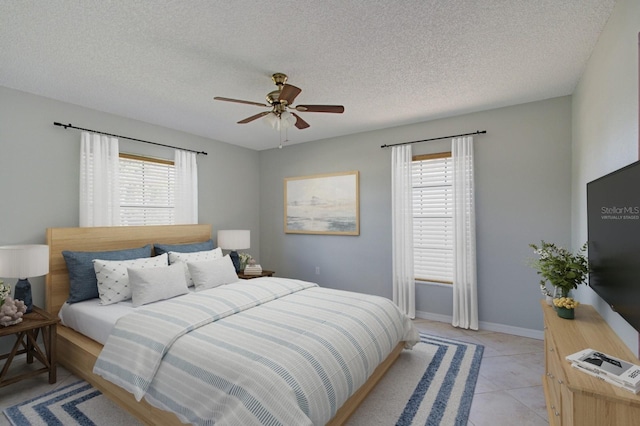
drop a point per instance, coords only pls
(269, 351)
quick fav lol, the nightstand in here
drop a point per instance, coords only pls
(265, 273)
(26, 333)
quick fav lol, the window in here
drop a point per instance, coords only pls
(433, 217)
(147, 191)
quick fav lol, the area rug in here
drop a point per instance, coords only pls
(75, 404)
(433, 384)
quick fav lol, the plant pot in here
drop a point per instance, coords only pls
(559, 292)
(565, 313)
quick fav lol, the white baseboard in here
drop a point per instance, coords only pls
(490, 326)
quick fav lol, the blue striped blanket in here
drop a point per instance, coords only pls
(268, 351)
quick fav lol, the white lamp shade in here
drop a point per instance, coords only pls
(271, 120)
(284, 121)
(234, 239)
(24, 261)
(287, 120)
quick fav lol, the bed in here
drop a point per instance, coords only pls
(79, 353)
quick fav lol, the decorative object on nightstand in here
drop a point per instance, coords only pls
(564, 271)
(11, 310)
(245, 258)
(234, 239)
(253, 268)
(22, 262)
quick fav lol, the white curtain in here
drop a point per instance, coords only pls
(186, 187)
(465, 292)
(402, 230)
(99, 180)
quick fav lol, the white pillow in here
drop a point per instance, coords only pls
(113, 280)
(212, 273)
(153, 284)
(196, 256)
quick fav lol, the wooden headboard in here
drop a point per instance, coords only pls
(102, 239)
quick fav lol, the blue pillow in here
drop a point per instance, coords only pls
(82, 277)
(183, 248)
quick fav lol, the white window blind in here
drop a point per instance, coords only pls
(147, 191)
(433, 217)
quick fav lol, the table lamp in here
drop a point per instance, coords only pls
(234, 239)
(22, 262)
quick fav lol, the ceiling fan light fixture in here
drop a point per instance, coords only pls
(287, 119)
(280, 100)
(272, 121)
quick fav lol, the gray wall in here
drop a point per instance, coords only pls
(522, 172)
(39, 170)
(523, 193)
(605, 129)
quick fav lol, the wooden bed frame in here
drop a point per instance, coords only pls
(78, 353)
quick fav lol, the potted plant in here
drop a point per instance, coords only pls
(563, 270)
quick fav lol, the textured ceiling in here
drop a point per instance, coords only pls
(388, 62)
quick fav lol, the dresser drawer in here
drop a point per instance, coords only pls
(553, 378)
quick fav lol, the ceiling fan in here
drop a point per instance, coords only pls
(281, 101)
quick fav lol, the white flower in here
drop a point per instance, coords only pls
(5, 290)
(244, 258)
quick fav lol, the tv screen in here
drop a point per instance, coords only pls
(613, 215)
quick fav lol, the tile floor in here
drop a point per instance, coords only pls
(508, 392)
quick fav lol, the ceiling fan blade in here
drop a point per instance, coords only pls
(337, 109)
(300, 123)
(289, 93)
(254, 117)
(238, 101)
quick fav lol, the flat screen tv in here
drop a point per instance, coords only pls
(613, 215)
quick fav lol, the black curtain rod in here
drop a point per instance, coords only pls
(66, 126)
(477, 132)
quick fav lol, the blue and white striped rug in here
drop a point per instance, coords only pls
(75, 404)
(433, 384)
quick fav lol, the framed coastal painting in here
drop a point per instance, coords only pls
(322, 204)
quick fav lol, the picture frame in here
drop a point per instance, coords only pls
(327, 204)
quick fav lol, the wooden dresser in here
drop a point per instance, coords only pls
(576, 398)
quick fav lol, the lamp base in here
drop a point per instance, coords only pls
(23, 292)
(236, 260)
